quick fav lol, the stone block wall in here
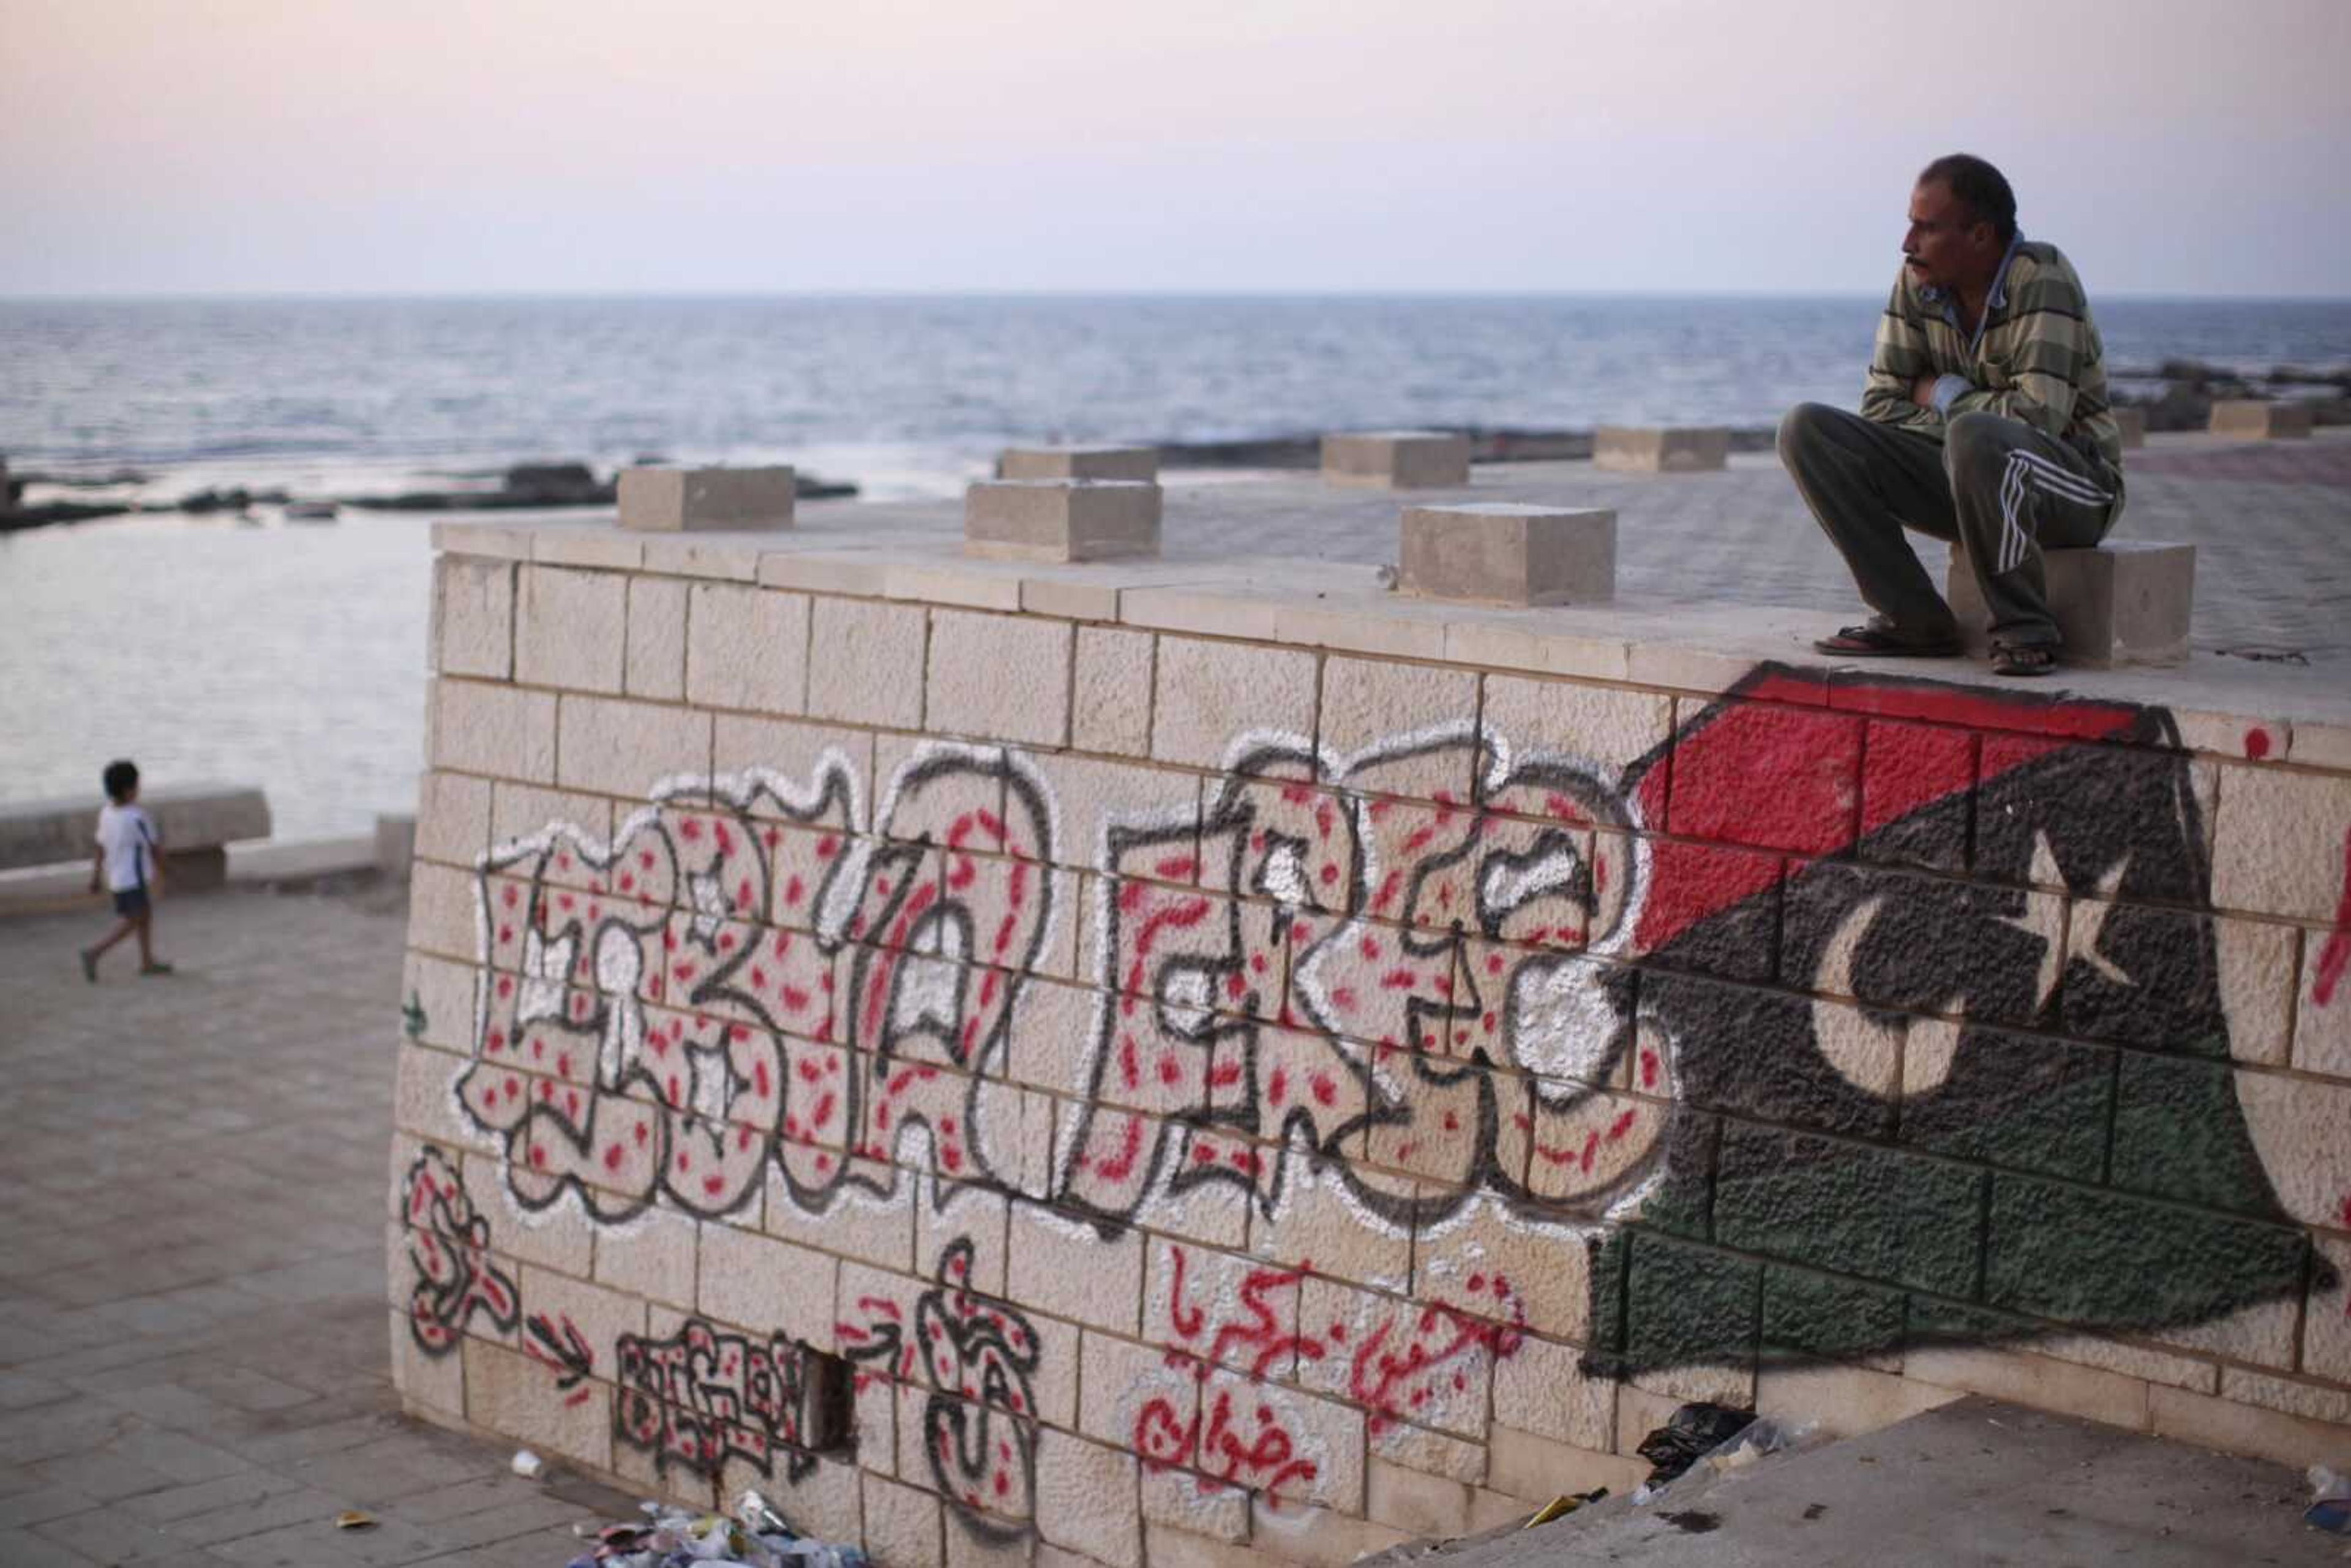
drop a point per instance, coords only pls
(1014, 1088)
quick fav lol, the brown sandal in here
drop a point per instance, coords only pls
(1875, 639)
(2024, 659)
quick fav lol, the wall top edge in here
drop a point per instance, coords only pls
(1703, 648)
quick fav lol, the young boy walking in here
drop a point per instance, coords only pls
(127, 863)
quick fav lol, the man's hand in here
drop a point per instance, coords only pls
(1922, 391)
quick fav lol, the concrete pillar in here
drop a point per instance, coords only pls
(1660, 449)
(1140, 464)
(690, 500)
(1396, 459)
(2125, 603)
(1061, 519)
(2132, 423)
(395, 845)
(2259, 419)
(1498, 552)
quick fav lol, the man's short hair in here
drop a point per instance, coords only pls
(120, 779)
(1982, 189)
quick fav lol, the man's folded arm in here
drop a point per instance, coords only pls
(2048, 364)
(1895, 363)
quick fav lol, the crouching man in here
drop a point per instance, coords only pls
(1985, 421)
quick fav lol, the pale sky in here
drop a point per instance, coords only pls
(754, 146)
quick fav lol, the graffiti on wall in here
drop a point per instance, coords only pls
(977, 1358)
(456, 1282)
(702, 1396)
(1815, 1051)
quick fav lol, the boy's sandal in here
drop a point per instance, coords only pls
(158, 967)
(1875, 639)
(2022, 659)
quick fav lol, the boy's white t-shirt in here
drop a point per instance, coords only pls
(127, 836)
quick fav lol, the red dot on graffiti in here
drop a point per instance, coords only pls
(2257, 744)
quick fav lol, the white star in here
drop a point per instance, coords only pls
(2092, 914)
(2045, 873)
(710, 909)
(546, 967)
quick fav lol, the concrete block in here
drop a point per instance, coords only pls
(511, 1394)
(686, 500)
(587, 544)
(1415, 1502)
(1396, 459)
(2322, 1021)
(1542, 1388)
(1366, 703)
(1660, 449)
(2132, 423)
(1061, 519)
(768, 1287)
(395, 843)
(473, 617)
(497, 730)
(655, 664)
(624, 749)
(1109, 706)
(2233, 1427)
(1603, 728)
(1500, 552)
(998, 677)
(453, 818)
(2125, 602)
(865, 662)
(1061, 1266)
(902, 1524)
(2260, 419)
(1540, 1468)
(1210, 693)
(746, 648)
(1140, 464)
(1085, 1499)
(569, 629)
(2277, 842)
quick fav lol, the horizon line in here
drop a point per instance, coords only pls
(723, 295)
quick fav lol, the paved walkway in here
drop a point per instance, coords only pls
(2271, 523)
(192, 1329)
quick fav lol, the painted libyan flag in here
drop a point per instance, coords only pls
(2066, 1151)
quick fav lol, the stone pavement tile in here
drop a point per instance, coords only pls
(224, 1527)
(177, 1455)
(540, 1549)
(501, 1490)
(316, 1543)
(28, 1437)
(334, 1427)
(400, 1465)
(19, 1391)
(242, 1491)
(104, 1535)
(48, 1501)
(103, 1475)
(173, 1406)
(245, 1389)
(490, 1526)
(23, 1546)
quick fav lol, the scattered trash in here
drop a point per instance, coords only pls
(527, 1465)
(2330, 1503)
(354, 1520)
(1689, 1433)
(757, 1537)
(1704, 1441)
(1560, 1507)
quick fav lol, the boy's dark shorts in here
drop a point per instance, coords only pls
(130, 901)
